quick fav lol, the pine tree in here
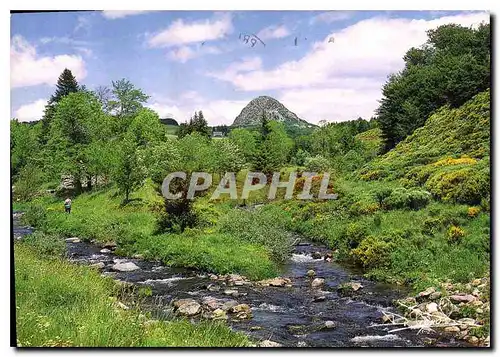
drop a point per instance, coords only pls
(66, 84)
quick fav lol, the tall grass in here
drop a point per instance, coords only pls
(60, 304)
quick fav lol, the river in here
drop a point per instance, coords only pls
(292, 316)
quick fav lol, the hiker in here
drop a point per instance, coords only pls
(67, 205)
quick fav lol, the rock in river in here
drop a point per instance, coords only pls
(128, 266)
(311, 273)
(462, 298)
(275, 282)
(269, 343)
(316, 283)
(316, 255)
(187, 307)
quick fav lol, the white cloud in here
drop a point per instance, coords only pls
(235, 69)
(217, 112)
(331, 16)
(82, 23)
(118, 14)
(185, 53)
(32, 111)
(354, 67)
(29, 69)
(181, 33)
(273, 32)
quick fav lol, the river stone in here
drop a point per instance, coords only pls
(241, 308)
(128, 266)
(269, 343)
(187, 307)
(427, 292)
(231, 292)
(434, 296)
(219, 314)
(317, 282)
(452, 329)
(473, 340)
(316, 255)
(462, 298)
(105, 251)
(99, 265)
(229, 305)
(329, 324)
(431, 307)
(275, 282)
(476, 282)
(138, 256)
(211, 302)
(311, 273)
(73, 240)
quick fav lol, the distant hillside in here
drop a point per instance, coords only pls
(169, 121)
(252, 114)
(449, 155)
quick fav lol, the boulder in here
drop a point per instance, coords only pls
(350, 287)
(99, 265)
(228, 305)
(219, 314)
(275, 282)
(187, 307)
(311, 273)
(109, 245)
(128, 266)
(269, 343)
(452, 329)
(213, 287)
(317, 282)
(431, 307)
(462, 298)
(426, 293)
(211, 302)
(241, 308)
(105, 251)
(329, 324)
(476, 282)
(473, 340)
(231, 292)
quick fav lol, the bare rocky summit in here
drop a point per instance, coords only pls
(252, 113)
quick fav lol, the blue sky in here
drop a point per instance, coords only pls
(195, 60)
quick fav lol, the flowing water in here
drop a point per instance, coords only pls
(291, 316)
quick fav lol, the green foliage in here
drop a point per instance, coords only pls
(246, 140)
(59, 304)
(36, 216)
(317, 164)
(46, 244)
(197, 124)
(274, 149)
(452, 67)
(28, 183)
(265, 227)
(404, 198)
(24, 146)
(372, 252)
(126, 100)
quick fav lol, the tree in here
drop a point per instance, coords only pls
(104, 95)
(77, 122)
(66, 84)
(449, 69)
(246, 140)
(274, 149)
(24, 145)
(130, 172)
(197, 123)
(127, 100)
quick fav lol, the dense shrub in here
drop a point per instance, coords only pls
(265, 227)
(317, 164)
(406, 198)
(372, 252)
(455, 234)
(35, 216)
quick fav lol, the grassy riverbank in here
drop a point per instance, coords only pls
(59, 304)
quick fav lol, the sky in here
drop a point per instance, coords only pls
(321, 65)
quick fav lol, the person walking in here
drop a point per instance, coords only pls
(67, 205)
